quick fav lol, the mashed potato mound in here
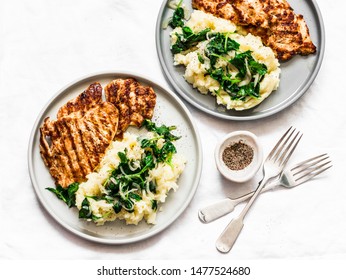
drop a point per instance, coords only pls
(164, 175)
(196, 70)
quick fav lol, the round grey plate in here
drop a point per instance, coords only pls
(169, 110)
(296, 77)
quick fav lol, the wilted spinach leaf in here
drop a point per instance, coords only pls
(188, 39)
(68, 195)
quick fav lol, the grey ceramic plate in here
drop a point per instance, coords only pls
(170, 111)
(296, 77)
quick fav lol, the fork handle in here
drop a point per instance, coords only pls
(230, 234)
(217, 210)
(220, 208)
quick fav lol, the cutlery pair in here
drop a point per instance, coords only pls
(289, 178)
(273, 167)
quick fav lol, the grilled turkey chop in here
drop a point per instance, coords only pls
(134, 101)
(73, 145)
(273, 20)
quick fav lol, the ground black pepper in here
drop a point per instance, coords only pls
(237, 155)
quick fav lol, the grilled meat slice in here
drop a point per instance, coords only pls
(289, 31)
(273, 20)
(83, 102)
(134, 101)
(72, 146)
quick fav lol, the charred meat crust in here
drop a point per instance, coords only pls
(134, 101)
(83, 102)
(72, 145)
(273, 20)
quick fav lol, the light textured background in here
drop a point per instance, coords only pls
(46, 44)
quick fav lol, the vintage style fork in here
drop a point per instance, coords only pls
(272, 167)
(289, 178)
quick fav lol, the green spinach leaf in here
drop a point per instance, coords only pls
(177, 18)
(220, 45)
(68, 195)
(188, 39)
(154, 204)
(85, 211)
(162, 130)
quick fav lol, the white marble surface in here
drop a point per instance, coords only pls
(45, 45)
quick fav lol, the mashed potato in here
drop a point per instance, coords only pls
(196, 72)
(164, 176)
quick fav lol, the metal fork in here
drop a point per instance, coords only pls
(272, 167)
(289, 178)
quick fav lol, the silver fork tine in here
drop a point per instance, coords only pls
(307, 164)
(314, 172)
(306, 169)
(278, 144)
(303, 163)
(278, 152)
(292, 150)
(271, 169)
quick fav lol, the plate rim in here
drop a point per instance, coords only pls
(291, 100)
(145, 235)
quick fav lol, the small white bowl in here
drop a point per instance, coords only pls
(249, 171)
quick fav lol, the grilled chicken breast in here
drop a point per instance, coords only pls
(273, 20)
(73, 145)
(134, 101)
(83, 102)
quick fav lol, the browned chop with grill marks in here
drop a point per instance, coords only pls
(273, 20)
(83, 102)
(134, 101)
(73, 145)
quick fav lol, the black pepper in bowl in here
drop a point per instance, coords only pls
(237, 155)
